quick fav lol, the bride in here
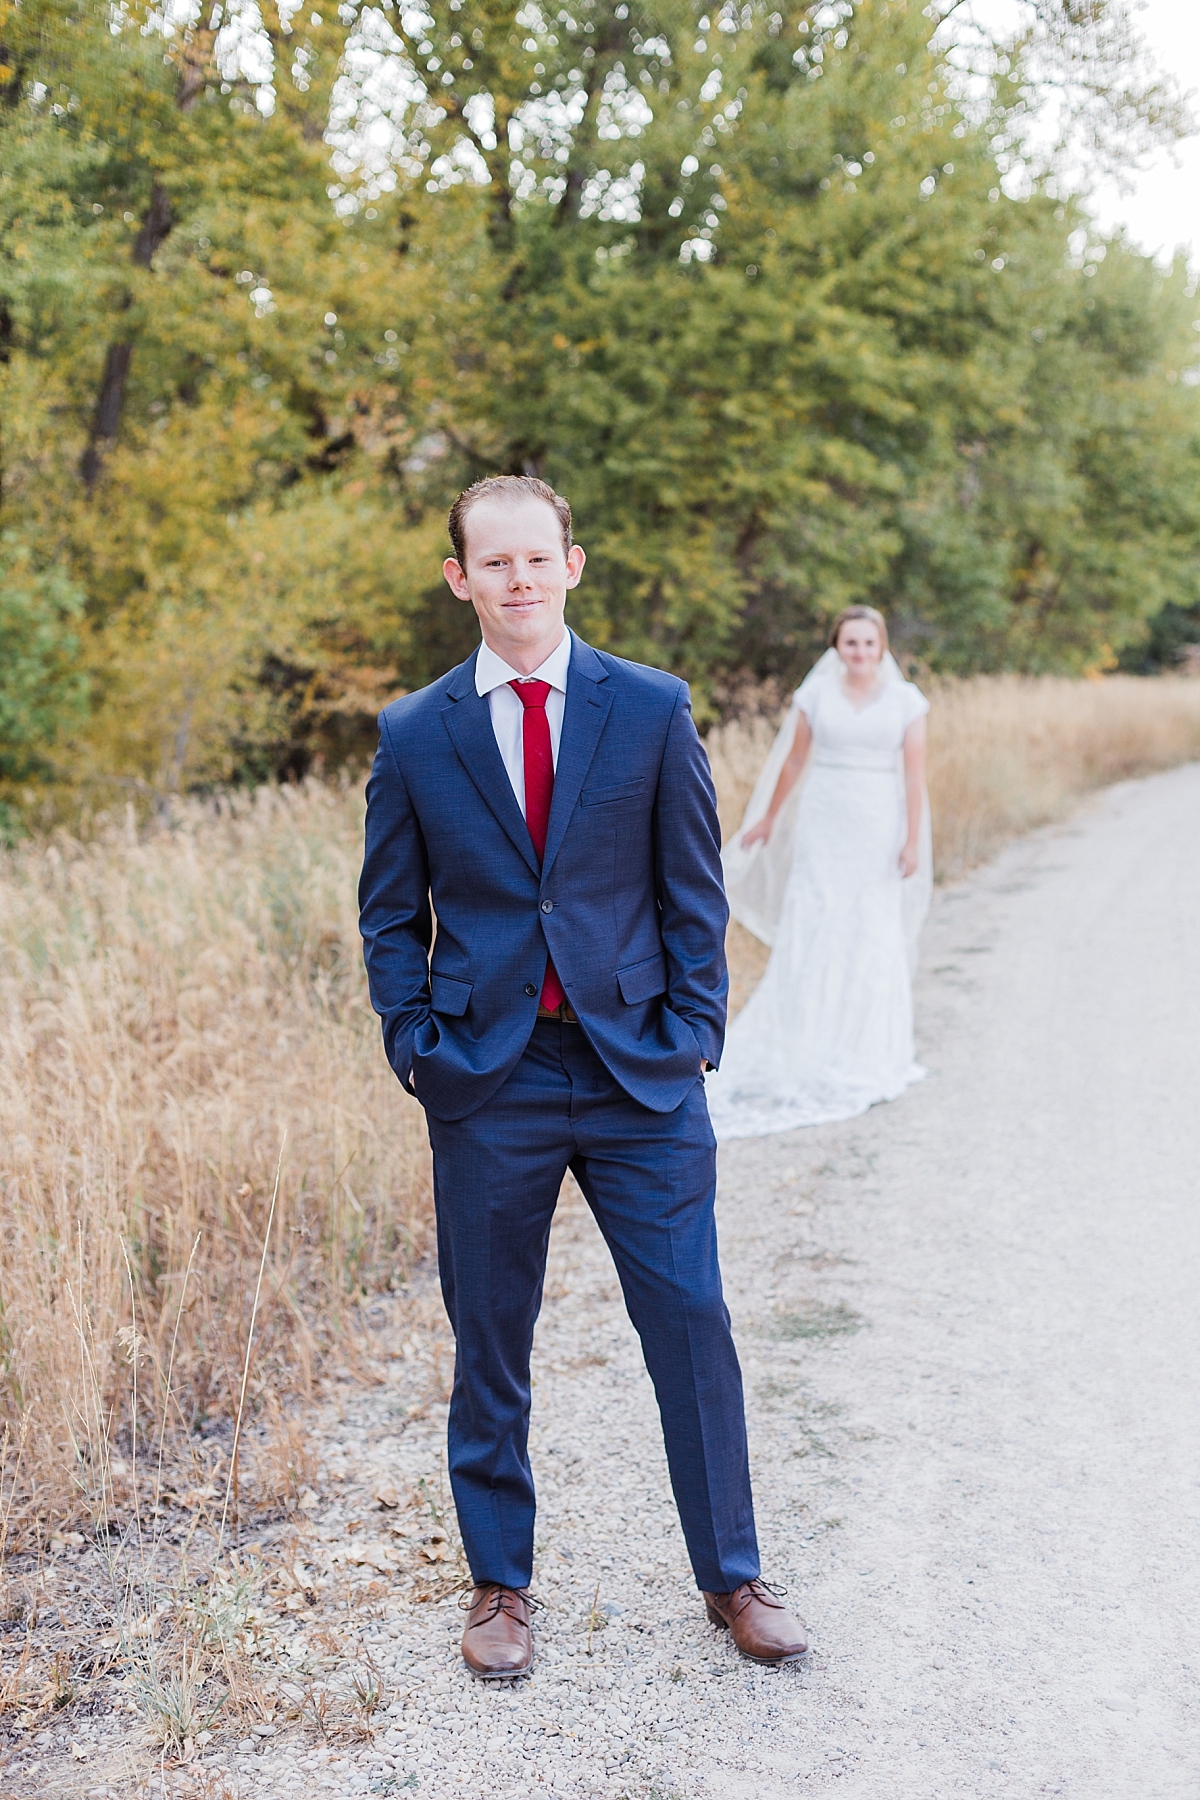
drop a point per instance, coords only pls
(836, 876)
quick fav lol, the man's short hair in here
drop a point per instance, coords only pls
(512, 488)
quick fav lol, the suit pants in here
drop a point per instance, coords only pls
(650, 1180)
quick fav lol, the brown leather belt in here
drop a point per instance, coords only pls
(563, 1012)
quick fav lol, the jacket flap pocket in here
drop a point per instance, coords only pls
(620, 790)
(450, 995)
(643, 980)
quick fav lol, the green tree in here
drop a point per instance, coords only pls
(42, 689)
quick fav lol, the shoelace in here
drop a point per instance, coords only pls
(499, 1600)
(766, 1591)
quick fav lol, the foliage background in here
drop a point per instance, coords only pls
(773, 294)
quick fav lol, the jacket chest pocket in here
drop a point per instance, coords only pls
(614, 793)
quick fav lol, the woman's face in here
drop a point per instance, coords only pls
(860, 646)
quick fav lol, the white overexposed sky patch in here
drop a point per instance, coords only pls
(1162, 212)
(1159, 202)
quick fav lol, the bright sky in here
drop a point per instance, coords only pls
(1163, 210)
(1159, 205)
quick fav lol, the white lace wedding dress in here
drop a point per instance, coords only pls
(828, 1032)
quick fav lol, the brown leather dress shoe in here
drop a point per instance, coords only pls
(762, 1627)
(497, 1642)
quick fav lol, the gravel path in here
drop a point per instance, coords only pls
(970, 1332)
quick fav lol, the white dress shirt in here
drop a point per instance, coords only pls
(492, 676)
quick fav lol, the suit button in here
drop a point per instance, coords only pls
(530, 989)
(547, 906)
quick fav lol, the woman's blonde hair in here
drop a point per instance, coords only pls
(860, 612)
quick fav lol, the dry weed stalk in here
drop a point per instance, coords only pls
(286, 1463)
(12, 1454)
(231, 1485)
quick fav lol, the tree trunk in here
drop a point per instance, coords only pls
(194, 65)
(108, 411)
(156, 223)
(155, 227)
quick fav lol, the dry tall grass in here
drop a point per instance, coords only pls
(171, 1006)
(1007, 754)
(173, 1002)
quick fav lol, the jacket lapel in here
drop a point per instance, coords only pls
(468, 720)
(588, 704)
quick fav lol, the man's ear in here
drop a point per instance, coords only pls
(452, 569)
(575, 562)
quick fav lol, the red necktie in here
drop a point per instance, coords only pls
(539, 791)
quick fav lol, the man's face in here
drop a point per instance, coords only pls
(517, 573)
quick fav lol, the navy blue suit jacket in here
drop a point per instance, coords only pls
(629, 899)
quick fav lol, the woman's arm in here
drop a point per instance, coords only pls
(789, 775)
(914, 794)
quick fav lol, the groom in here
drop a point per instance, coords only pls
(555, 806)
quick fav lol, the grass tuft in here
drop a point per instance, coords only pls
(175, 1696)
(816, 1320)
